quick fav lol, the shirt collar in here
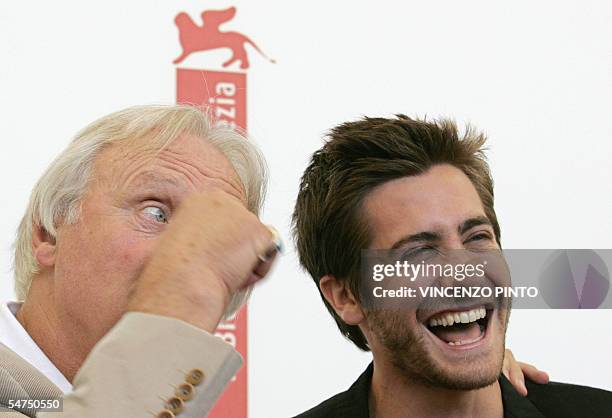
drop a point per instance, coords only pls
(17, 339)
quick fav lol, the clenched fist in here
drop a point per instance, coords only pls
(212, 248)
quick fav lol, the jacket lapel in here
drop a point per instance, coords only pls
(516, 405)
(355, 404)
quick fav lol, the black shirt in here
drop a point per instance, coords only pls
(557, 400)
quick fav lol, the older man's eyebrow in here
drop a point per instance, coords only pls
(473, 222)
(151, 178)
(425, 236)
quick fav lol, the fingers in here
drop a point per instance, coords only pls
(265, 264)
(513, 372)
(261, 269)
(516, 371)
(266, 260)
(508, 359)
(533, 373)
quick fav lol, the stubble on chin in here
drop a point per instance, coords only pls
(406, 349)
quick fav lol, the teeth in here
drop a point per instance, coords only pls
(448, 319)
(472, 316)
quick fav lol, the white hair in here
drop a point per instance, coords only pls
(56, 198)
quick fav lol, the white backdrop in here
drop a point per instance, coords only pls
(534, 75)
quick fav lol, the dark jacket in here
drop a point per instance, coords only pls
(558, 400)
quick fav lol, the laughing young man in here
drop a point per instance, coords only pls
(407, 184)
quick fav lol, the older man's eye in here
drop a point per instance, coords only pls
(156, 213)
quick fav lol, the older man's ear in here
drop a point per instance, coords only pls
(340, 297)
(43, 247)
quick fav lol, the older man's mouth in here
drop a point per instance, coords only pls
(460, 328)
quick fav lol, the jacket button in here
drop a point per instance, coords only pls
(184, 391)
(174, 405)
(165, 414)
(195, 377)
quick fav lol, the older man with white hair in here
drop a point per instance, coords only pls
(98, 263)
(138, 239)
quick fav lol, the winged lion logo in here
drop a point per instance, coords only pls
(196, 38)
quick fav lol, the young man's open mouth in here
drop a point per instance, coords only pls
(461, 328)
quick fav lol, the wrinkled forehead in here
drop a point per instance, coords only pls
(188, 161)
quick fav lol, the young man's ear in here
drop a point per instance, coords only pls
(43, 247)
(339, 296)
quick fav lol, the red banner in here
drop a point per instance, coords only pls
(224, 93)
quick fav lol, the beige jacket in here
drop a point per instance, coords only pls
(141, 364)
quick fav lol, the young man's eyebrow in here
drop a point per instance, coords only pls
(427, 236)
(473, 222)
(430, 236)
